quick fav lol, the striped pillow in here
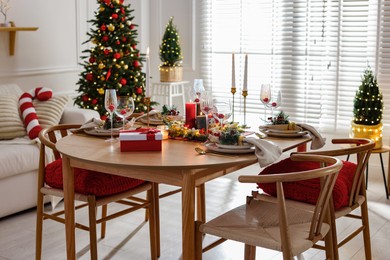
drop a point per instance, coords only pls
(49, 112)
(11, 124)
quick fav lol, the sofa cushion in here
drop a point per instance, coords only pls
(18, 156)
(90, 182)
(49, 112)
(11, 124)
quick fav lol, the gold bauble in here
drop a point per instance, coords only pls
(101, 9)
(121, 25)
(111, 27)
(126, 67)
(100, 91)
(102, 78)
(101, 66)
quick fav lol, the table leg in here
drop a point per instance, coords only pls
(201, 203)
(68, 179)
(188, 217)
(384, 176)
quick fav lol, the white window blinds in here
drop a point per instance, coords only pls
(314, 51)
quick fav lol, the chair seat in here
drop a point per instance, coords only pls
(90, 182)
(308, 190)
(255, 224)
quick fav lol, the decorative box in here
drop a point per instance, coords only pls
(142, 139)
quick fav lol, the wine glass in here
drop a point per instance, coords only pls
(206, 105)
(265, 97)
(110, 104)
(275, 103)
(222, 110)
(125, 108)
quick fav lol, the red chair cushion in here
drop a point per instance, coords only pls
(90, 182)
(308, 190)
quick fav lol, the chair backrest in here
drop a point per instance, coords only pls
(49, 136)
(362, 148)
(327, 174)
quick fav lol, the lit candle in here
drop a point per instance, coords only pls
(201, 122)
(246, 74)
(190, 114)
(147, 87)
(233, 73)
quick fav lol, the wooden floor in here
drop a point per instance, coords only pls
(127, 237)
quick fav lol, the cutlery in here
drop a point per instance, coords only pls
(204, 152)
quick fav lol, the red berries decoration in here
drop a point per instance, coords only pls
(117, 55)
(89, 77)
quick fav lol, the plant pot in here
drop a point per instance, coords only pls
(373, 132)
(171, 74)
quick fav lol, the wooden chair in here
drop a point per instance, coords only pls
(276, 226)
(362, 148)
(100, 190)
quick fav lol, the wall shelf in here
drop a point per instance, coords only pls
(12, 35)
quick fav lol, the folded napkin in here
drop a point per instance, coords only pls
(152, 112)
(90, 124)
(317, 141)
(265, 151)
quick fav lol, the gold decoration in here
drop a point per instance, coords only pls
(101, 66)
(126, 67)
(373, 132)
(111, 27)
(100, 91)
(102, 78)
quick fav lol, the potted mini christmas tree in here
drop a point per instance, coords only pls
(113, 62)
(368, 109)
(170, 54)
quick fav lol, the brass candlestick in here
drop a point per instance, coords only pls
(244, 94)
(147, 102)
(233, 90)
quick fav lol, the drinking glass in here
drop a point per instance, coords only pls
(265, 97)
(206, 105)
(125, 108)
(275, 103)
(197, 90)
(222, 110)
(110, 104)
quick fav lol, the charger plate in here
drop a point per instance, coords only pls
(213, 147)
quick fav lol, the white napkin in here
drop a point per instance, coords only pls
(317, 141)
(265, 151)
(90, 124)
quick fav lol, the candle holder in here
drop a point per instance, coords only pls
(147, 102)
(233, 91)
(244, 94)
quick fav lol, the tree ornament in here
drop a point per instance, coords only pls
(84, 97)
(103, 27)
(107, 2)
(123, 81)
(101, 66)
(136, 64)
(117, 55)
(111, 27)
(89, 77)
(92, 59)
(138, 90)
(105, 38)
(114, 16)
(126, 67)
(94, 101)
(102, 9)
(106, 51)
(108, 74)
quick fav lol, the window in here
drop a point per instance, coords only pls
(314, 51)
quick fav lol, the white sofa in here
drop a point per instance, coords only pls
(19, 156)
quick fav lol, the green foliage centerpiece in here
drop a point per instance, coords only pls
(171, 69)
(367, 110)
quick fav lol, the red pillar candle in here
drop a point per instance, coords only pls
(190, 114)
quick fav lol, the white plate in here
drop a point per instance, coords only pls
(275, 130)
(214, 148)
(152, 121)
(102, 132)
(235, 147)
(287, 135)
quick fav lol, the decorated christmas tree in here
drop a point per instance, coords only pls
(170, 50)
(368, 103)
(113, 62)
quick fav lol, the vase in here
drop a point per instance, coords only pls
(373, 132)
(171, 74)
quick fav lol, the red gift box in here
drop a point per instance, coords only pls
(142, 139)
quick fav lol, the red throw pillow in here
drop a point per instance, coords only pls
(308, 190)
(90, 182)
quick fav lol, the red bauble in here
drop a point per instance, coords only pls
(124, 39)
(103, 27)
(106, 51)
(123, 81)
(103, 117)
(89, 77)
(94, 101)
(136, 64)
(105, 38)
(123, 19)
(121, 1)
(114, 16)
(131, 26)
(122, 10)
(134, 46)
(118, 42)
(138, 90)
(92, 59)
(84, 98)
(107, 2)
(117, 55)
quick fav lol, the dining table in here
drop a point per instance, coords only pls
(177, 164)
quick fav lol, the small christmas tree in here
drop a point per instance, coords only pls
(114, 62)
(368, 103)
(170, 50)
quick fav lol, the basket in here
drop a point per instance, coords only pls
(171, 74)
(373, 132)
